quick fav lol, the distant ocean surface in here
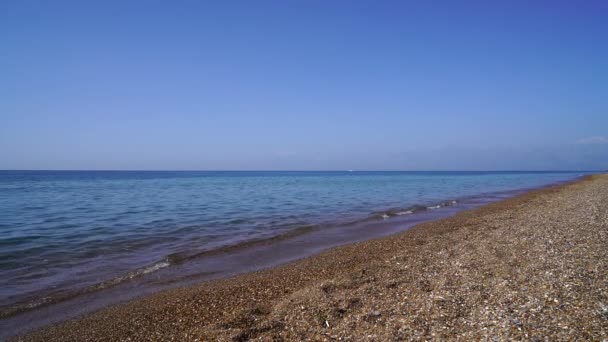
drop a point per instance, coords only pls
(66, 230)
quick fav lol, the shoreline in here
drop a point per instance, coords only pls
(185, 271)
(291, 276)
(376, 224)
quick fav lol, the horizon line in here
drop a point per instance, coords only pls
(294, 170)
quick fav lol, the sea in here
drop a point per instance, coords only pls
(75, 241)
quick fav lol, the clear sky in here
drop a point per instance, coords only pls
(306, 85)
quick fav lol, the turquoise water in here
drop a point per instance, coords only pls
(67, 230)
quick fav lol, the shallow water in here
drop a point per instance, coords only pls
(65, 233)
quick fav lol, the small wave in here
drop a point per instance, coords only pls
(417, 208)
(443, 204)
(134, 274)
(171, 259)
(179, 257)
(155, 267)
(392, 213)
(412, 210)
(50, 299)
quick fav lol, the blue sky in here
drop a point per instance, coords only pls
(428, 85)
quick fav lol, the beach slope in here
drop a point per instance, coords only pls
(530, 267)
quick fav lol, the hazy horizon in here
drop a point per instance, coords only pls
(308, 171)
(304, 86)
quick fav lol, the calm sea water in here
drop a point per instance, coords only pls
(61, 231)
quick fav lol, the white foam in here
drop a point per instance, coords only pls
(155, 267)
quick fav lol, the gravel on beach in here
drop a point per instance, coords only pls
(534, 267)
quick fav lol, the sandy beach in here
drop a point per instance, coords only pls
(534, 267)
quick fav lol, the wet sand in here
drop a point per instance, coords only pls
(531, 267)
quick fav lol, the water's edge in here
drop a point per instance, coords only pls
(182, 270)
